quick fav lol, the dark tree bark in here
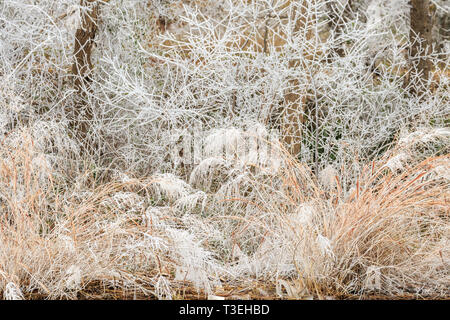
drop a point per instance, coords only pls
(294, 98)
(82, 114)
(421, 40)
(337, 21)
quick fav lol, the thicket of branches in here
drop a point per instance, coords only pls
(95, 182)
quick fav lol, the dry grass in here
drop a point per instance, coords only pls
(365, 214)
(388, 236)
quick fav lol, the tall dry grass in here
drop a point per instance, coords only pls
(135, 217)
(276, 224)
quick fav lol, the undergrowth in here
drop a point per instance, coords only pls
(190, 182)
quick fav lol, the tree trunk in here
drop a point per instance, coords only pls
(82, 114)
(442, 20)
(421, 39)
(294, 99)
(339, 14)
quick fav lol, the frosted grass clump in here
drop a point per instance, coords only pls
(124, 201)
(195, 264)
(154, 217)
(51, 137)
(12, 292)
(169, 186)
(325, 245)
(424, 135)
(209, 170)
(397, 162)
(224, 141)
(327, 177)
(189, 202)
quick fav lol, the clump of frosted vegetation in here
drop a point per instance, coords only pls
(191, 182)
(12, 292)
